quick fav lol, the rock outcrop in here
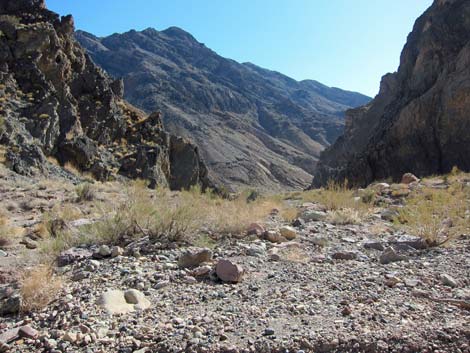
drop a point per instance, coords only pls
(420, 120)
(253, 126)
(55, 102)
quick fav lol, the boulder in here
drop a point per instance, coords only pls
(313, 216)
(119, 302)
(409, 178)
(390, 255)
(344, 255)
(137, 298)
(194, 257)
(274, 236)
(229, 271)
(288, 232)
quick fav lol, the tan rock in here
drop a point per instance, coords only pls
(288, 232)
(228, 271)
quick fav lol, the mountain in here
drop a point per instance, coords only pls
(254, 127)
(57, 103)
(420, 120)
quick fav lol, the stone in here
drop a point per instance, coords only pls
(3, 253)
(10, 335)
(374, 244)
(255, 229)
(404, 241)
(28, 332)
(344, 255)
(194, 257)
(288, 232)
(448, 280)
(268, 332)
(133, 296)
(389, 256)
(73, 255)
(409, 178)
(116, 251)
(389, 214)
(70, 337)
(228, 271)
(274, 236)
(104, 251)
(11, 305)
(114, 302)
(29, 243)
(313, 216)
(257, 250)
(201, 271)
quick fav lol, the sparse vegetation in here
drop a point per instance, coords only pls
(38, 288)
(85, 192)
(342, 202)
(344, 216)
(163, 216)
(437, 215)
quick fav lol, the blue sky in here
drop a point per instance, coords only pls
(343, 43)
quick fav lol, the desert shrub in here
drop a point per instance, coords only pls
(336, 197)
(38, 288)
(344, 216)
(85, 192)
(437, 215)
(7, 231)
(167, 216)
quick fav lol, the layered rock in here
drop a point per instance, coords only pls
(419, 122)
(253, 126)
(55, 102)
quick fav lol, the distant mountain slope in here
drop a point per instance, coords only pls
(420, 120)
(253, 126)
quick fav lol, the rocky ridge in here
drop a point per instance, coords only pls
(420, 119)
(57, 104)
(254, 127)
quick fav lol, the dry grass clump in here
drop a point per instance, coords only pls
(39, 287)
(4, 231)
(343, 204)
(85, 192)
(344, 216)
(7, 231)
(167, 216)
(437, 215)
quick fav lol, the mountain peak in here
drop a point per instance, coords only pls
(177, 32)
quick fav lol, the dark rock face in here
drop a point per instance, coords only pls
(56, 102)
(252, 126)
(420, 120)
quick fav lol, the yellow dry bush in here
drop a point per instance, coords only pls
(337, 198)
(39, 287)
(437, 215)
(173, 216)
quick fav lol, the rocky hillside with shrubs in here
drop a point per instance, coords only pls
(57, 106)
(112, 267)
(419, 121)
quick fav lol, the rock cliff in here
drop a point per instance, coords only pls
(55, 102)
(420, 120)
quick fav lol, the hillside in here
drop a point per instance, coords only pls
(254, 127)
